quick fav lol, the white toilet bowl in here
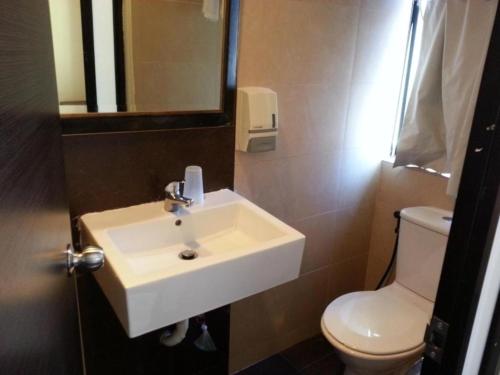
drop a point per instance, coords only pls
(377, 332)
(382, 331)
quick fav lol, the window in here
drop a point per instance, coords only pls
(411, 63)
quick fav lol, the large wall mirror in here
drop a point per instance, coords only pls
(126, 58)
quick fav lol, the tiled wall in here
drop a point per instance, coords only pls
(399, 188)
(325, 59)
(111, 170)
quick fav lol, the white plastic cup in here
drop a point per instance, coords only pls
(193, 183)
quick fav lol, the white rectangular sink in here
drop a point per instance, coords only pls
(242, 250)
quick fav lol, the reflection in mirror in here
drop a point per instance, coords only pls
(140, 56)
(66, 24)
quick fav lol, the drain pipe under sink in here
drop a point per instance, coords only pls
(172, 338)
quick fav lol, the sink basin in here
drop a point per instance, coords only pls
(240, 250)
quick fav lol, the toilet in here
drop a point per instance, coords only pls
(382, 331)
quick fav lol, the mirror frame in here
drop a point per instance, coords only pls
(95, 122)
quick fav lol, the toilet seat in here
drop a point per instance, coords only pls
(388, 321)
(370, 357)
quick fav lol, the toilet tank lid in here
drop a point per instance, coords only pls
(432, 218)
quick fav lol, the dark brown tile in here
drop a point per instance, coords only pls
(305, 353)
(275, 365)
(310, 357)
(111, 170)
(329, 365)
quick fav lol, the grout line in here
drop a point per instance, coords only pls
(335, 210)
(324, 267)
(351, 257)
(269, 158)
(351, 76)
(308, 365)
(316, 361)
(290, 363)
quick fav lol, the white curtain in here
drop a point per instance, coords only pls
(455, 39)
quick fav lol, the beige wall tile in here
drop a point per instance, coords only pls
(320, 240)
(370, 120)
(263, 57)
(380, 5)
(380, 40)
(352, 232)
(271, 321)
(320, 35)
(312, 183)
(383, 235)
(263, 183)
(327, 110)
(295, 137)
(399, 188)
(311, 120)
(358, 182)
(374, 271)
(406, 187)
(323, 176)
(347, 276)
(376, 77)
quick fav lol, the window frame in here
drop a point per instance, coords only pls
(405, 82)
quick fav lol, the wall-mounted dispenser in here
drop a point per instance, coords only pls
(256, 119)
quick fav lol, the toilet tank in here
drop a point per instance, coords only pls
(423, 235)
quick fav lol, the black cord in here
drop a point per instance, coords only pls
(397, 215)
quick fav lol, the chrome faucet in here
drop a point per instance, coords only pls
(174, 198)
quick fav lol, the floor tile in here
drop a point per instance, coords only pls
(330, 365)
(305, 353)
(275, 365)
(310, 357)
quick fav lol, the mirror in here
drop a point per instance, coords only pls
(138, 56)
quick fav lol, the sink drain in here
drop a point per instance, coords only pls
(188, 254)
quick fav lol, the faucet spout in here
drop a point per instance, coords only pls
(174, 198)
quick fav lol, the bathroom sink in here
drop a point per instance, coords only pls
(240, 250)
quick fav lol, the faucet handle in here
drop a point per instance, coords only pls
(175, 187)
(174, 196)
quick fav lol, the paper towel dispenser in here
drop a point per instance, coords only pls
(256, 119)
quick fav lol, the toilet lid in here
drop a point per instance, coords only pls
(387, 321)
